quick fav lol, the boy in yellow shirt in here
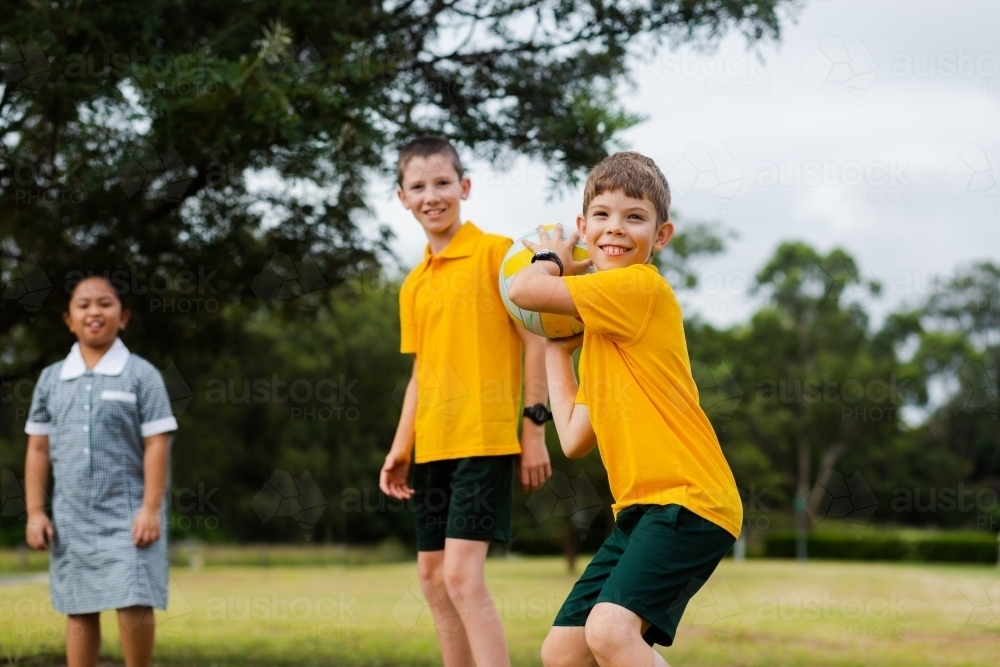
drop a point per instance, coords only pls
(676, 507)
(461, 407)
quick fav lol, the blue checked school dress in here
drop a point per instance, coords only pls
(96, 421)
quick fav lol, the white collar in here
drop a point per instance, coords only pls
(112, 363)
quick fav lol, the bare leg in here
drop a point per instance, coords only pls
(614, 634)
(83, 640)
(455, 650)
(137, 627)
(567, 647)
(466, 584)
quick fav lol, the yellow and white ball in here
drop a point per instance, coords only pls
(542, 324)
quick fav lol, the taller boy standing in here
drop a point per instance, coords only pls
(462, 406)
(676, 505)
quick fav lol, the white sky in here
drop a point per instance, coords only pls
(903, 96)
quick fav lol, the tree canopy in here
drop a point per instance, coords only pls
(183, 145)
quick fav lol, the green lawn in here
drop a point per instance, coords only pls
(760, 613)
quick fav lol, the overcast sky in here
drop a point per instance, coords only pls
(873, 127)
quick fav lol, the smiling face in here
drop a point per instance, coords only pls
(620, 230)
(432, 190)
(95, 313)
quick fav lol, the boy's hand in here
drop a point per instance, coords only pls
(39, 533)
(533, 466)
(562, 247)
(392, 478)
(146, 527)
(568, 344)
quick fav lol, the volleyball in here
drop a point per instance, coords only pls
(543, 324)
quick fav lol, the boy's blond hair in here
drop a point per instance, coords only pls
(425, 147)
(634, 174)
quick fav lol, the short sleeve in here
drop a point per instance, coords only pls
(615, 302)
(581, 392)
(407, 319)
(500, 249)
(155, 414)
(39, 419)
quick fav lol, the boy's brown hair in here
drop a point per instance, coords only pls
(634, 174)
(427, 146)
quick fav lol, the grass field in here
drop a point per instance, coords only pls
(757, 613)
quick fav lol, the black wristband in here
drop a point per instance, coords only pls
(546, 255)
(538, 413)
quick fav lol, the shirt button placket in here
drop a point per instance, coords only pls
(86, 408)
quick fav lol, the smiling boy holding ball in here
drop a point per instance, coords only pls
(676, 507)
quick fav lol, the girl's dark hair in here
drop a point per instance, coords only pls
(75, 282)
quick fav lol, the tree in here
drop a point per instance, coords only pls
(181, 146)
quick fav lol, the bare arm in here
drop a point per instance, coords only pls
(534, 466)
(396, 469)
(38, 532)
(538, 287)
(572, 420)
(146, 528)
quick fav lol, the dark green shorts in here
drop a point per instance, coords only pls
(467, 499)
(654, 562)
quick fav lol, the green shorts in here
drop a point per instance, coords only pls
(467, 499)
(654, 562)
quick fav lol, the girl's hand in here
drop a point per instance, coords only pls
(39, 533)
(146, 527)
(568, 345)
(392, 478)
(562, 247)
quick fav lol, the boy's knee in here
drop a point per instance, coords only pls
(430, 572)
(606, 634)
(461, 581)
(556, 654)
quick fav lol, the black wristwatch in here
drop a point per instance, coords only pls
(547, 255)
(538, 413)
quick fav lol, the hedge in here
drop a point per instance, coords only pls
(941, 548)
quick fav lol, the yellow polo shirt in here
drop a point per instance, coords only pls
(468, 352)
(635, 378)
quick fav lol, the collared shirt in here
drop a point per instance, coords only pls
(468, 352)
(635, 378)
(112, 364)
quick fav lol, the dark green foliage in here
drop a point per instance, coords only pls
(931, 548)
(837, 547)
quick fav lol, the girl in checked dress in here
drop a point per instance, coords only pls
(99, 421)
